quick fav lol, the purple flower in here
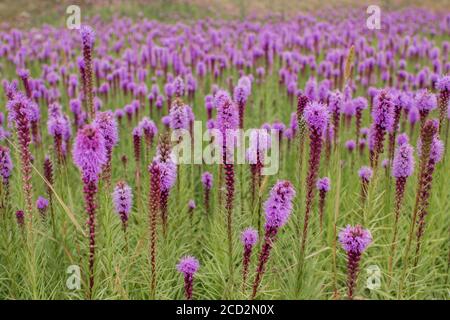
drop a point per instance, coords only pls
(249, 237)
(178, 116)
(316, 117)
(227, 113)
(365, 173)
(89, 153)
(6, 164)
(403, 164)
(42, 203)
(383, 111)
(443, 84)
(122, 197)
(425, 101)
(323, 184)
(402, 139)
(178, 86)
(107, 125)
(207, 180)
(87, 36)
(188, 266)
(350, 145)
(278, 206)
(437, 150)
(355, 239)
(191, 204)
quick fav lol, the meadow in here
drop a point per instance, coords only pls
(358, 208)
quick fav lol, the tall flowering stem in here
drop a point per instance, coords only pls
(301, 104)
(436, 153)
(20, 112)
(123, 197)
(383, 118)
(89, 155)
(278, 208)
(316, 117)
(107, 124)
(354, 241)
(153, 206)
(207, 182)
(360, 105)
(443, 85)
(168, 175)
(228, 120)
(323, 185)
(426, 168)
(365, 175)
(249, 237)
(402, 168)
(188, 266)
(6, 167)
(88, 39)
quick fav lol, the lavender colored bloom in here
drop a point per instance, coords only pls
(249, 237)
(123, 198)
(443, 84)
(178, 86)
(89, 153)
(350, 145)
(437, 150)
(87, 36)
(425, 101)
(6, 164)
(191, 205)
(403, 164)
(365, 173)
(178, 116)
(278, 206)
(316, 117)
(207, 180)
(383, 111)
(355, 239)
(42, 203)
(323, 184)
(227, 113)
(188, 266)
(413, 115)
(107, 125)
(402, 139)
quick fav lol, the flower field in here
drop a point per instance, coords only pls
(338, 190)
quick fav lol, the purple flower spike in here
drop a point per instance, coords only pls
(365, 173)
(188, 266)
(89, 152)
(87, 36)
(123, 197)
(403, 164)
(354, 241)
(278, 208)
(249, 237)
(323, 185)
(316, 117)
